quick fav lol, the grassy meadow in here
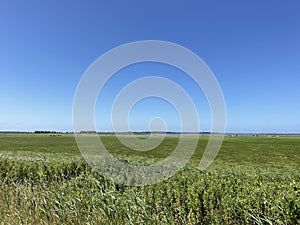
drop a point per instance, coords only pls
(253, 180)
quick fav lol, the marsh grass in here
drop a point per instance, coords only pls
(254, 180)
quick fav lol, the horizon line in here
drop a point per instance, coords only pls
(146, 132)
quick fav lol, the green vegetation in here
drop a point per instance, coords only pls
(254, 180)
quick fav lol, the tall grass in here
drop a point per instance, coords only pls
(44, 180)
(71, 193)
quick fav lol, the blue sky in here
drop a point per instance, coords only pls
(253, 48)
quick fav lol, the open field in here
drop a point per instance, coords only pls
(254, 180)
(265, 154)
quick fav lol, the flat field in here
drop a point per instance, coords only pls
(253, 180)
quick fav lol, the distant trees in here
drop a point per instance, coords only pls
(46, 132)
(88, 132)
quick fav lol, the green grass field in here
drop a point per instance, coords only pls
(253, 180)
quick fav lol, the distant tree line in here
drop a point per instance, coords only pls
(88, 132)
(46, 132)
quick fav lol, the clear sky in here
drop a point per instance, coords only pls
(253, 48)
